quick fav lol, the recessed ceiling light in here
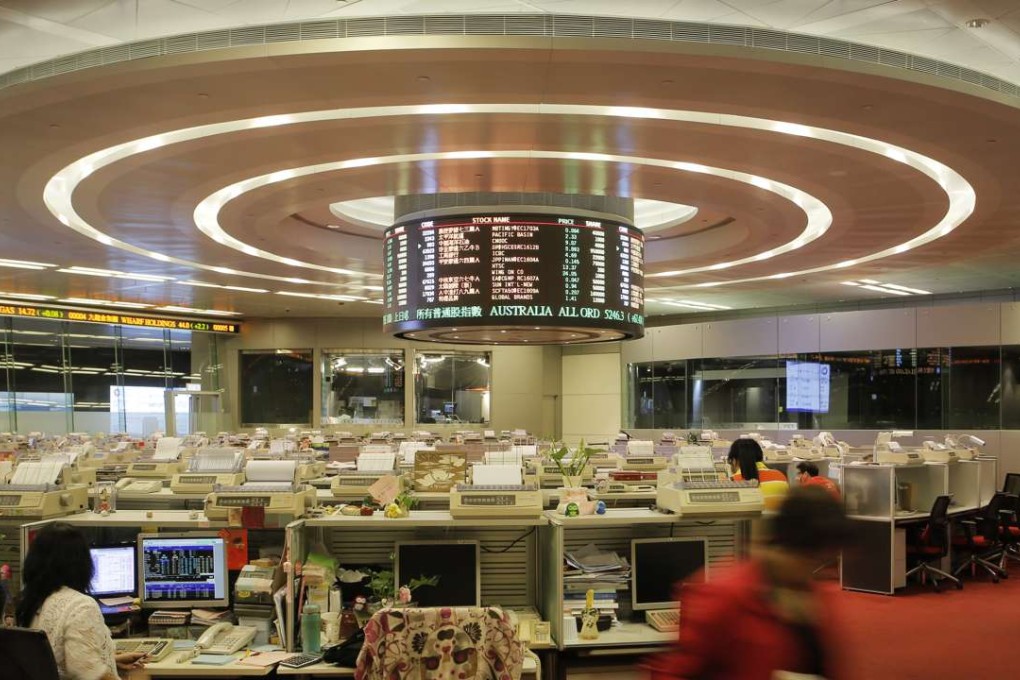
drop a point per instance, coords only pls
(113, 274)
(27, 296)
(318, 296)
(24, 264)
(192, 310)
(104, 303)
(977, 23)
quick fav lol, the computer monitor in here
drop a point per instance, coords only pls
(449, 407)
(1012, 484)
(181, 571)
(113, 571)
(456, 563)
(657, 564)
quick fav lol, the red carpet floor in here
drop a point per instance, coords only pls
(969, 634)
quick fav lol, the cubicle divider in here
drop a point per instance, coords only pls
(509, 548)
(728, 539)
(882, 500)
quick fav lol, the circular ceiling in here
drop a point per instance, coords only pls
(253, 180)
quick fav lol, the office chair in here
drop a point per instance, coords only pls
(473, 643)
(27, 655)
(983, 537)
(932, 545)
(1009, 532)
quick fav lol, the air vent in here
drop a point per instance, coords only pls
(802, 43)
(214, 40)
(573, 26)
(365, 27)
(65, 65)
(283, 33)
(112, 55)
(864, 53)
(319, 30)
(770, 40)
(533, 25)
(142, 50)
(834, 48)
(180, 44)
(523, 25)
(651, 30)
(444, 25)
(727, 35)
(688, 32)
(611, 28)
(248, 36)
(485, 25)
(405, 26)
(893, 58)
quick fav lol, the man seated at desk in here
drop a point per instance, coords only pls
(807, 475)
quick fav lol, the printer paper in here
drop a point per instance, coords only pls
(270, 471)
(167, 448)
(496, 474)
(38, 473)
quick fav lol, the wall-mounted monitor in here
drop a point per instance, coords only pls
(456, 563)
(658, 564)
(182, 570)
(807, 386)
(514, 278)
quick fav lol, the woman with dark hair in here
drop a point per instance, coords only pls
(746, 460)
(768, 615)
(56, 577)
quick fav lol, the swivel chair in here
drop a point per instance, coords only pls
(1010, 528)
(932, 545)
(982, 538)
(27, 655)
(473, 643)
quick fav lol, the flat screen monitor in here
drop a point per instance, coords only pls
(807, 386)
(456, 563)
(657, 564)
(182, 570)
(113, 570)
(449, 407)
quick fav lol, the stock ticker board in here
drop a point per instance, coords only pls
(525, 271)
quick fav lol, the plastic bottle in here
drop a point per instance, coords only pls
(311, 627)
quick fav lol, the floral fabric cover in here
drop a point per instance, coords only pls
(441, 643)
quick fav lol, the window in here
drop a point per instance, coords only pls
(452, 387)
(659, 394)
(276, 387)
(362, 387)
(734, 392)
(974, 391)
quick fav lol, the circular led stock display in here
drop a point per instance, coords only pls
(506, 278)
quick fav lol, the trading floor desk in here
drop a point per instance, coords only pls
(727, 536)
(883, 500)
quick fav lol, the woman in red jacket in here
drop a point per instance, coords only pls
(768, 614)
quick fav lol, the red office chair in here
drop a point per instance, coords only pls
(982, 538)
(932, 545)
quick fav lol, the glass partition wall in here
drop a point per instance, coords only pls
(907, 388)
(452, 387)
(58, 377)
(363, 387)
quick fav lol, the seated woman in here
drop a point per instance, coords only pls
(56, 577)
(747, 462)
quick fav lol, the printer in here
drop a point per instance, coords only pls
(546, 474)
(77, 471)
(964, 445)
(937, 452)
(209, 467)
(38, 489)
(164, 461)
(689, 492)
(495, 500)
(891, 452)
(271, 485)
(805, 449)
(374, 462)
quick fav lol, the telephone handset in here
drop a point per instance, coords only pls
(131, 485)
(225, 638)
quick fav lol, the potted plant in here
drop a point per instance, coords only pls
(385, 592)
(571, 464)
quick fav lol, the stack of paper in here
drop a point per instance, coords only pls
(591, 563)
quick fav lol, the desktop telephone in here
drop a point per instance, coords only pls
(131, 485)
(225, 638)
(155, 649)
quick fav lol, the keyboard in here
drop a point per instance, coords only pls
(722, 484)
(301, 660)
(154, 648)
(663, 620)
